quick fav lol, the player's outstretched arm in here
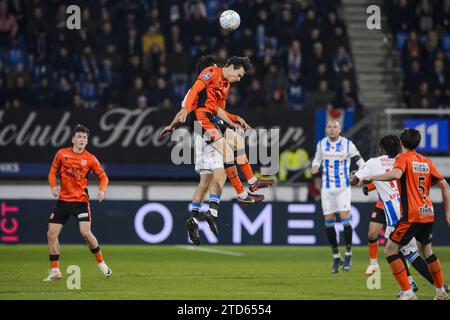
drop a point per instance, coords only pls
(395, 174)
(187, 106)
(221, 114)
(445, 189)
(243, 123)
(175, 122)
(233, 117)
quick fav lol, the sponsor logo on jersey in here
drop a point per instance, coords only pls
(426, 210)
(83, 162)
(206, 75)
(421, 167)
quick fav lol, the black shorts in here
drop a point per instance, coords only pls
(378, 216)
(404, 232)
(64, 210)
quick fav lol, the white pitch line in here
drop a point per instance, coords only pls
(229, 253)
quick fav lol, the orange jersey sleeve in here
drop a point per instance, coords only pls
(190, 101)
(400, 162)
(100, 173)
(56, 165)
(436, 176)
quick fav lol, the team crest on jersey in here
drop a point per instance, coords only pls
(206, 75)
(83, 162)
(421, 167)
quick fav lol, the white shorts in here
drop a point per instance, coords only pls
(406, 249)
(336, 200)
(207, 158)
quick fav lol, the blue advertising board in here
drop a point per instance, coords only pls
(434, 134)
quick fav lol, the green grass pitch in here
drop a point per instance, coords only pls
(182, 272)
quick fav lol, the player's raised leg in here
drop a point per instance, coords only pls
(231, 171)
(237, 142)
(92, 243)
(54, 229)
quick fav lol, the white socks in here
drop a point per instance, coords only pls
(252, 180)
(440, 290)
(243, 195)
(373, 262)
(408, 292)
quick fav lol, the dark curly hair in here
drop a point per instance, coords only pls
(204, 62)
(391, 145)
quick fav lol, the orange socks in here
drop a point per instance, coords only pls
(233, 176)
(54, 261)
(242, 160)
(435, 269)
(98, 254)
(399, 271)
(373, 249)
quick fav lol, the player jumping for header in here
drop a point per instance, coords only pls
(207, 98)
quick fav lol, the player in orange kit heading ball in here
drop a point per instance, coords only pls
(74, 164)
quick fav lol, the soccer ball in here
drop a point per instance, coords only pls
(230, 20)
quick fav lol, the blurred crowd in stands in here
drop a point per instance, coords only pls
(142, 53)
(422, 35)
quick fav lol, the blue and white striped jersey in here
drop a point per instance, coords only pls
(335, 158)
(387, 190)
